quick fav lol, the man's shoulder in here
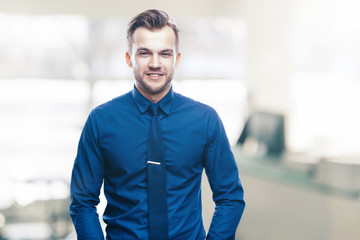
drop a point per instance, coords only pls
(184, 102)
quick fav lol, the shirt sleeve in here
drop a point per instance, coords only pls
(222, 173)
(86, 180)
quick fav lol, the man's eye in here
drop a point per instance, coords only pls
(143, 53)
(166, 54)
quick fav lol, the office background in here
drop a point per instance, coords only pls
(299, 60)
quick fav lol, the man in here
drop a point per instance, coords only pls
(115, 149)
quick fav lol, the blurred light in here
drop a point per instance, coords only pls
(20, 231)
(6, 192)
(2, 220)
(25, 194)
(41, 190)
(21, 170)
(59, 190)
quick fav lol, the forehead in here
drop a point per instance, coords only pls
(154, 39)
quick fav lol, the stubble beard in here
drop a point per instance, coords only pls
(151, 90)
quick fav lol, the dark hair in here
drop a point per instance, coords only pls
(153, 20)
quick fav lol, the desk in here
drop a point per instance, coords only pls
(284, 171)
(286, 202)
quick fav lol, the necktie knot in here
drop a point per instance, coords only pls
(154, 109)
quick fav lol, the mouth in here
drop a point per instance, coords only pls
(154, 75)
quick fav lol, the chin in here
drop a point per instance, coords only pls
(157, 87)
(151, 86)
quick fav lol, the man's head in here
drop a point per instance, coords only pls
(153, 53)
(152, 20)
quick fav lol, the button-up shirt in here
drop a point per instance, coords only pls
(112, 151)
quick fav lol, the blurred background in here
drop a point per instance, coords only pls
(284, 75)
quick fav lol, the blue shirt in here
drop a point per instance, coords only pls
(112, 150)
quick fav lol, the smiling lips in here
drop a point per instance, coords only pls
(154, 75)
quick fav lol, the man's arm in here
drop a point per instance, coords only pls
(228, 194)
(86, 180)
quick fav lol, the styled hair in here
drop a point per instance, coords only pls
(152, 19)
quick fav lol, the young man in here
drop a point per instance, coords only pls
(117, 148)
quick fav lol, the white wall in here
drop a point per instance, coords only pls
(269, 52)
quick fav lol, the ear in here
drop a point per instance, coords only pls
(177, 61)
(128, 59)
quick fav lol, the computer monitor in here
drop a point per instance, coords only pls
(268, 129)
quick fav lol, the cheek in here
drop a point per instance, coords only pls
(139, 64)
(170, 64)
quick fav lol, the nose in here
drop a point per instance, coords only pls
(154, 61)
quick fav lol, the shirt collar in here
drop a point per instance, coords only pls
(143, 103)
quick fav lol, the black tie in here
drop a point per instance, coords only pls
(158, 221)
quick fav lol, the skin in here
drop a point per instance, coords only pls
(153, 59)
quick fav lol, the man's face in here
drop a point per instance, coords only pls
(153, 59)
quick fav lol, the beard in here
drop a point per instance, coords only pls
(151, 89)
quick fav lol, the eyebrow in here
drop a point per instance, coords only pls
(167, 49)
(142, 49)
(146, 49)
